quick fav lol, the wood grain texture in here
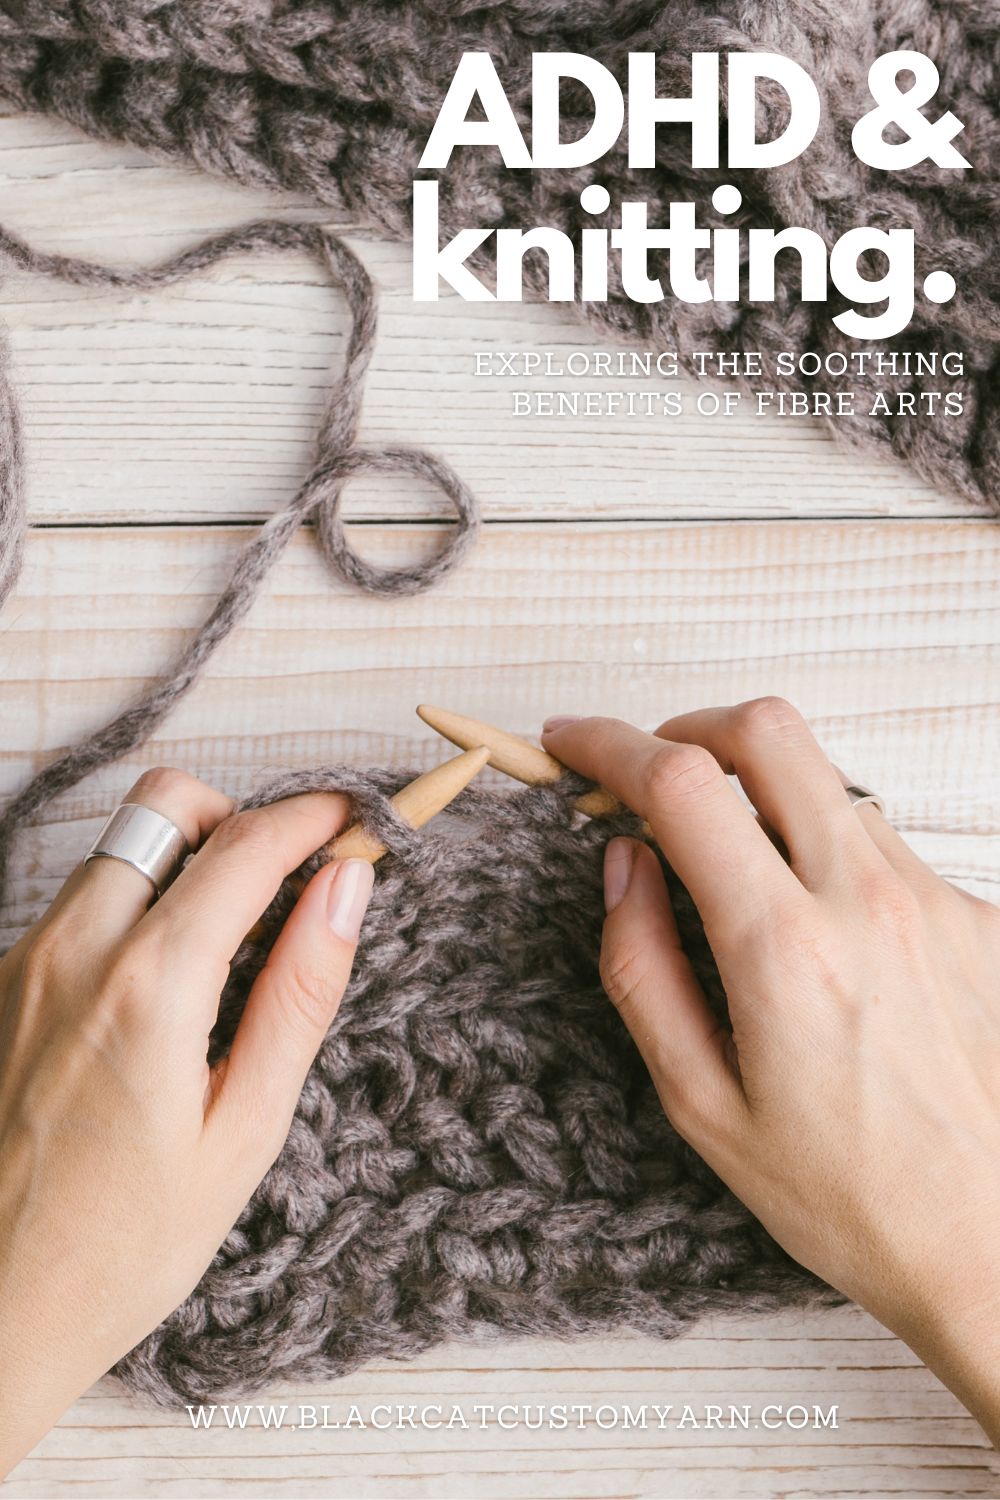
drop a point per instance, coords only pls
(197, 405)
(198, 402)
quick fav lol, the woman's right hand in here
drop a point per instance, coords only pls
(854, 1105)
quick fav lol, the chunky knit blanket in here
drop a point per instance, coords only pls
(337, 100)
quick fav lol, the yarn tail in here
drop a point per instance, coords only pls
(336, 459)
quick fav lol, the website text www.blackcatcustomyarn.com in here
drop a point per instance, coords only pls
(558, 1416)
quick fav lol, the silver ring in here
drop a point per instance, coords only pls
(859, 794)
(144, 839)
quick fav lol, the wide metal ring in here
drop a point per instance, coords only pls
(860, 794)
(144, 839)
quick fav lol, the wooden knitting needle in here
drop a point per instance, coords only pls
(416, 804)
(514, 756)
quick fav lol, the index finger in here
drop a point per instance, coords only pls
(708, 834)
(238, 871)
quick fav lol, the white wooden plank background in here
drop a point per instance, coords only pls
(603, 581)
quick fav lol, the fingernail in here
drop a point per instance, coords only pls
(348, 897)
(558, 721)
(619, 862)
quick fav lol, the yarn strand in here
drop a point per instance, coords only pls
(336, 460)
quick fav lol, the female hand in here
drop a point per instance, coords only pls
(855, 1105)
(125, 1159)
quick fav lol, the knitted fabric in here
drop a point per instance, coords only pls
(337, 101)
(479, 1149)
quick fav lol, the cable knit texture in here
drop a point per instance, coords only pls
(337, 100)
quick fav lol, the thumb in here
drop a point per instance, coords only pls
(650, 980)
(294, 999)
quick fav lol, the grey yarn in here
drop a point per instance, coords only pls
(337, 100)
(478, 1150)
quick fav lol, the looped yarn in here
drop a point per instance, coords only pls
(337, 459)
(370, 793)
(418, 464)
